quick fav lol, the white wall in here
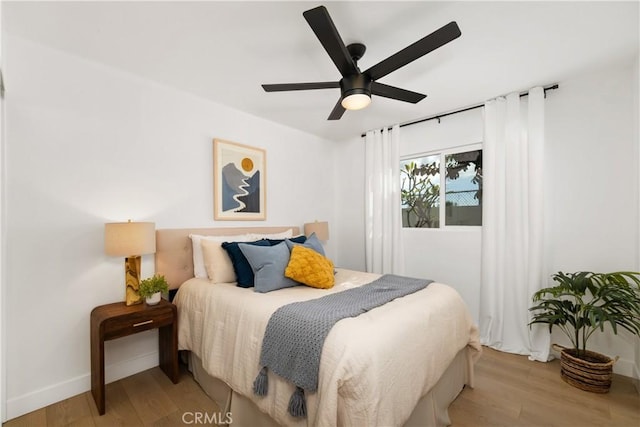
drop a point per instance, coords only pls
(636, 138)
(593, 166)
(349, 204)
(3, 409)
(86, 145)
(592, 210)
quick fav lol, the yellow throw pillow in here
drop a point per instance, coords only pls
(310, 268)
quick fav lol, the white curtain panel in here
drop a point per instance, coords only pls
(383, 223)
(512, 224)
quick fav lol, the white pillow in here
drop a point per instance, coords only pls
(283, 235)
(199, 269)
(217, 262)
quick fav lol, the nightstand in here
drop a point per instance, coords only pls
(119, 320)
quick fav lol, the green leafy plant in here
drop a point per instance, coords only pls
(584, 302)
(151, 285)
(419, 195)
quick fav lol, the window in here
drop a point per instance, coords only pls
(422, 189)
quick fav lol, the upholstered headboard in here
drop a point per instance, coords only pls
(174, 252)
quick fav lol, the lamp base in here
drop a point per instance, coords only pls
(132, 280)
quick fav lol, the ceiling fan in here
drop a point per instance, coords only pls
(357, 86)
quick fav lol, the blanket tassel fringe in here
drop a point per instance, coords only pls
(297, 403)
(261, 383)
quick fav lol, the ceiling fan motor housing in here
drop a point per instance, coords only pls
(355, 84)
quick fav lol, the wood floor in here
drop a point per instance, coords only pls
(513, 391)
(147, 398)
(510, 391)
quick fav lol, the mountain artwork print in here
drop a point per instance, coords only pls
(240, 193)
(239, 190)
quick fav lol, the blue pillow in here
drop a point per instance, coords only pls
(312, 242)
(244, 273)
(268, 264)
(298, 239)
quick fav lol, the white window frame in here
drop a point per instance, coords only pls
(442, 212)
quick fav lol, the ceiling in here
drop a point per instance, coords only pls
(223, 51)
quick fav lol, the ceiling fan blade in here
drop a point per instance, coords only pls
(280, 87)
(324, 28)
(396, 93)
(337, 111)
(438, 38)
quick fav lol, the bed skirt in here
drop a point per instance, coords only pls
(431, 410)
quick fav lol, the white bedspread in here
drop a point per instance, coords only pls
(374, 367)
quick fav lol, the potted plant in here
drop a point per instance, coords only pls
(152, 288)
(580, 304)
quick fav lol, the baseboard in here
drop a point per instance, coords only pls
(625, 367)
(636, 377)
(46, 396)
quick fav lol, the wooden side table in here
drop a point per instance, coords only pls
(119, 320)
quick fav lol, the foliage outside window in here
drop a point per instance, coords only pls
(422, 191)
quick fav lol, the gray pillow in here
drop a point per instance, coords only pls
(268, 264)
(312, 242)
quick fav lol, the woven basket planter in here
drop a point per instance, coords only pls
(590, 372)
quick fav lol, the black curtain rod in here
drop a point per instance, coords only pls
(462, 110)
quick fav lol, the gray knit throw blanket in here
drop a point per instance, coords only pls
(295, 334)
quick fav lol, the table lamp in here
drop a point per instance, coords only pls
(321, 228)
(130, 240)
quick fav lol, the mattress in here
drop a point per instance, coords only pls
(375, 368)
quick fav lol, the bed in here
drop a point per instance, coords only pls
(399, 364)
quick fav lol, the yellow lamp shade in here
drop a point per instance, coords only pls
(129, 238)
(321, 228)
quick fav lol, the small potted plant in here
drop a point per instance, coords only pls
(580, 304)
(152, 289)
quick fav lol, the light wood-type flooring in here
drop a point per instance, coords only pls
(510, 391)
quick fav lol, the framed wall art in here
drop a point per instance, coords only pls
(239, 182)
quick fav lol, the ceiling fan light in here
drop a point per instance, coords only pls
(356, 101)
